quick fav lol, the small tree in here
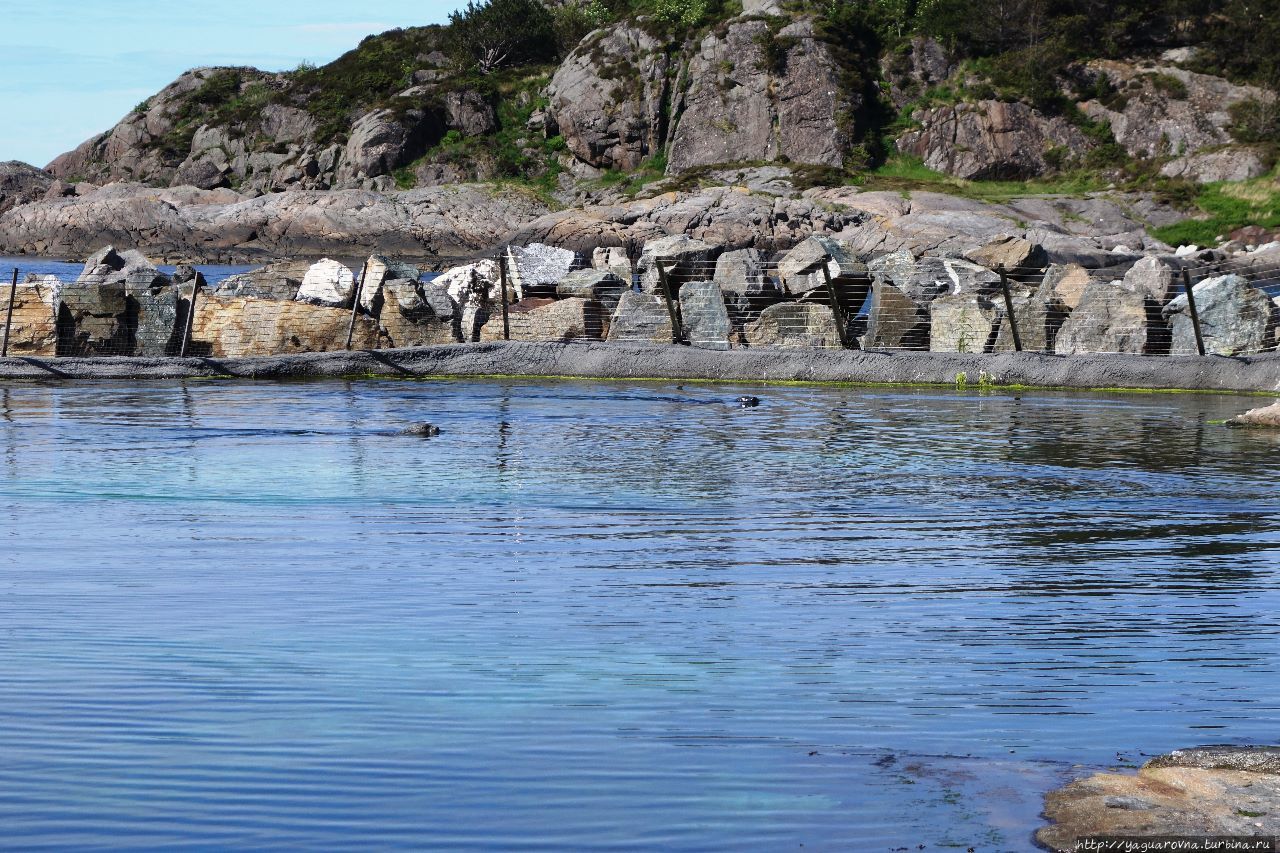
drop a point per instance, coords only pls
(490, 35)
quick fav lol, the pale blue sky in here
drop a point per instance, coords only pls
(70, 69)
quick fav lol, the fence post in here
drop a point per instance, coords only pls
(506, 317)
(677, 330)
(8, 316)
(1191, 308)
(1008, 309)
(191, 314)
(355, 303)
(842, 322)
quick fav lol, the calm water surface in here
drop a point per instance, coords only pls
(614, 615)
(70, 270)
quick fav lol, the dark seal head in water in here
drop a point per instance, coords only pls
(424, 429)
(748, 402)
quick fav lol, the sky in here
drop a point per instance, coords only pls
(71, 69)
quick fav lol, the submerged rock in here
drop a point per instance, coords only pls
(1266, 416)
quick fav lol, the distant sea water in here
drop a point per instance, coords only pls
(70, 270)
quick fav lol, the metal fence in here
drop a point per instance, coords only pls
(738, 299)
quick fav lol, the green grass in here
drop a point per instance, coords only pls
(905, 173)
(1224, 208)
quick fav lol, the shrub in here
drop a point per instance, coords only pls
(487, 36)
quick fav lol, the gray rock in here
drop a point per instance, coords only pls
(607, 98)
(536, 269)
(1063, 285)
(613, 259)
(469, 113)
(158, 332)
(1017, 256)
(377, 271)
(21, 183)
(474, 289)
(741, 271)
(640, 318)
(895, 321)
(1235, 317)
(1153, 277)
(703, 315)
(920, 65)
(989, 140)
(794, 324)
(800, 269)
(1109, 318)
(1037, 323)
(278, 281)
(1252, 759)
(1264, 416)
(684, 258)
(740, 105)
(961, 323)
(1227, 164)
(599, 285)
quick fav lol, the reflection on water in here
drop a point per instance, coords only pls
(613, 614)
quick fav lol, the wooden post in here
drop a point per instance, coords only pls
(1191, 309)
(842, 322)
(8, 316)
(1008, 309)
(506, 317)
(677, 330)
(355, 303)
(191, 315)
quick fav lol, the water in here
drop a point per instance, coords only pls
(70, 270)
(614, 615)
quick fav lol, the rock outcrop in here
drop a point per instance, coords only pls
(609, 98)
(1235, 318)
(756, 94)
(1208, 791)
(990, 140)
(21, 183)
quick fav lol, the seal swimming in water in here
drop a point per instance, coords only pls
(424, 429)
(748, 402)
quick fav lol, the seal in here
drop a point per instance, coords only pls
(423, 429)
(748, 402)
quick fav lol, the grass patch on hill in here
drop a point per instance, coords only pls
(906, 173)
(1224, 208)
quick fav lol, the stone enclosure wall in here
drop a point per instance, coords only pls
(675, 289)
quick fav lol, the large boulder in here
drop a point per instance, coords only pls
(34, 331)
(473, 288)
(746, 287)
(683, 258)
(382, 141)
(613, 259)
(1109, 318)
(560, 320)
(703, 315)
(989, 140)
(599, 285)
(378, 271)
(756, 95)
(1063, 285)
(244, 326)
(641, 318)
(895, 320)
(607, 98)
(536, 269)
(794, 324)
(961, 323)
(800, 270)
(413, 314)
(1018, 257)
(1154, 277)
(280, 280)
(119, 305)
(1235, 318)
(327, 283)
(1037, 322)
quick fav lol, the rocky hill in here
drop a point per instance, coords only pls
(605, 103)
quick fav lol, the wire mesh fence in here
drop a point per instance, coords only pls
(813, 295)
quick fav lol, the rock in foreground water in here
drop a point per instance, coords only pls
(1211, 790)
